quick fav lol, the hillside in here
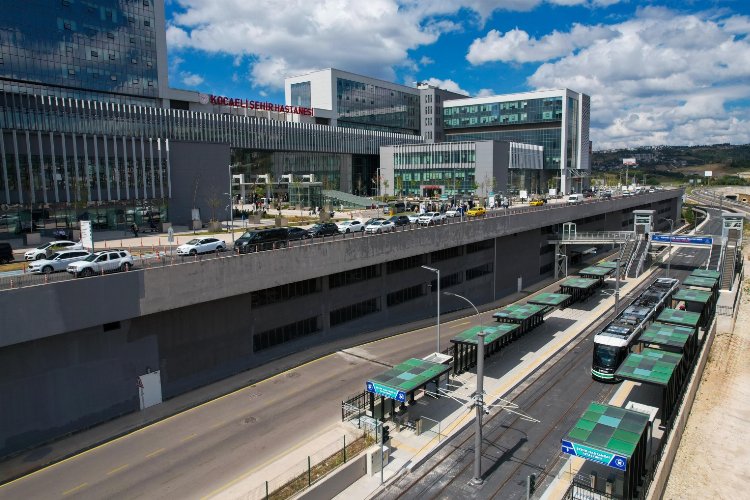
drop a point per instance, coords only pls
(679, 164)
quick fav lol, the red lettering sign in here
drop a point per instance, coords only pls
(257, 105)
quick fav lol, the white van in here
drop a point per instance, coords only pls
(575, 198)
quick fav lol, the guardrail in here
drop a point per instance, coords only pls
(147, 257)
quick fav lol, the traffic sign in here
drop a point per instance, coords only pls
(170, 235)
(594, 455)
(385, 391)
(687, 240)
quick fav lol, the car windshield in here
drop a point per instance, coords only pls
(194, 241)
(53, 256)
(46, 245)
(91, 257)
(376, 222)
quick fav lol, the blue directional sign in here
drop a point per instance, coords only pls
(385, 391)
(594, 455)
(687, 240)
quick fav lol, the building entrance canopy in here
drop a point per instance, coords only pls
(405, 378)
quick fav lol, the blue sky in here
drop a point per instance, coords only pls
(658, 72)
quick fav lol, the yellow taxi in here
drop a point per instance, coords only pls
(536, 203)
(476, 212)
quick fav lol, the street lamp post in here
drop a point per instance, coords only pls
(478, 396)
(669, 252)
(231, 208)
(436, 271)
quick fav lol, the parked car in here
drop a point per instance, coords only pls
(605, 194)
(201, 245)
(6, 253)
(575, 198)
(413, 218)
(370, 221)
(106, 261)
(454, 212)
(323, 229)
(400, 220)
(476, 212)
(431, 218)
(259, 240)
(57, 262)
(536, 203)
(350, 226)
(380, 226)
(296, 233)
(42, 251)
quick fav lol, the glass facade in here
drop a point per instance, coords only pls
(451, 169)
(50, 114)
(530, 121)
(326, 167)
(301, 94)
(364, 105)
(70, 48)
(545, 110)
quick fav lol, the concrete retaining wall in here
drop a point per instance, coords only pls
(335, 483)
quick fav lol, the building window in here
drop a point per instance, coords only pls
(94, 53)
(353, 276)
(448, 253)
(476, 272)
(284, 292)
(283, 334)
(479, 246)
(395, 266)
(354, 311)
(447, 281)
(405, 295)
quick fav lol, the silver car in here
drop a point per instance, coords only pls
(57, 262)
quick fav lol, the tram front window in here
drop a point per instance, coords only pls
(605, 356)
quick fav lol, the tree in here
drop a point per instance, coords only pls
(398, 184)
(214, 202)
(385, 188)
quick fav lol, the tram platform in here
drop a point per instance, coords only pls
(448, 416)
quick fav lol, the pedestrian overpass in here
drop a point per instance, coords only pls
(635, 246)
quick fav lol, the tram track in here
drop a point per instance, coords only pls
(527, 397)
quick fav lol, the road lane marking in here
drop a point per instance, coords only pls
(188, 438)
(118, 469)
(73, 490)
(460, 324)
(154, 453)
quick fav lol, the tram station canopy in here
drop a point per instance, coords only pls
(518, 312)
(651, 366)
(596, 271)
(690, 295)
(671, 337)
(406, 377)
(608, 435)
(608, 264)
(678, 317)
(491, 333)
(706, 273)
(700, 282)
(582, 283)
(551, 299)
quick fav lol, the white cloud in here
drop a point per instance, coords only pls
(191, 79)
(516, 45)
(296, 36)
(448, 85)
(424, 61)
(486, 93)
(660, 78)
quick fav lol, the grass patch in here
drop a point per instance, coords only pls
(322, 469)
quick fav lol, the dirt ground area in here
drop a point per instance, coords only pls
(713, 460)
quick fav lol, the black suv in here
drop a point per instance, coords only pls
(323, 229)
(6, 253)
(262, 239)
(400, 220)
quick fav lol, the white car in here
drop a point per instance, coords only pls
(350, 226)
(106, 261)
(431, 218)
(453, 212)
(41, 251)
(56, 262)
(201, 245)
(380, 226)
(413, 218)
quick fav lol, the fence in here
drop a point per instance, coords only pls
(310, 470)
